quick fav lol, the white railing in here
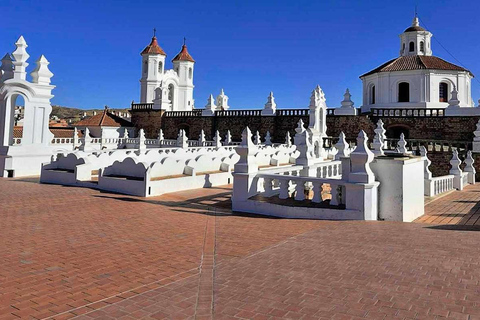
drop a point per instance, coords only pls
(286, 186)
(331, 169)
(438, 185)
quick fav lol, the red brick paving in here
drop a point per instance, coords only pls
(456, 208)
(78, 253)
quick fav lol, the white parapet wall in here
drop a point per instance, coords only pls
(155, 171)
(401, 187)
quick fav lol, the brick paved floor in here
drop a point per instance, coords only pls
(79, 253)
(461, 208)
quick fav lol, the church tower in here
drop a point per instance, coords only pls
(415, 40)
(183, 65)
(153, 66)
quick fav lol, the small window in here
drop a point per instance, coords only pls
(412, 46)
(160, 67)
(190, 73)
(372, 95)
(443, 92)
(403, 48)
(422, 46)
(145, 67)
(171, 89)
(403, 92)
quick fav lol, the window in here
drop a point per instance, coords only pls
(145, 67)
(443, 92)
(422, 46)
(372, 95)
(412, 46)
(403, 92)
(190, 73)
(160, 67)
(403, 48)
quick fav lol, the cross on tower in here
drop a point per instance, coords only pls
(154, 32)
(184, 40)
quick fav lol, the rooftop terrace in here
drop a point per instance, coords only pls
(79, 253)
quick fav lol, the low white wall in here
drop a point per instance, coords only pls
(295, 212)
(401, 190)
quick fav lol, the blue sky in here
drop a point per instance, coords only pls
(249, 48)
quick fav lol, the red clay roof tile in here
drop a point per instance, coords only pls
(104, 119)
(183, 55)
(153, 48)
(416, 63)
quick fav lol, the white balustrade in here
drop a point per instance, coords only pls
(294, 186)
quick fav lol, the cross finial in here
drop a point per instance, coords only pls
(184, 40)
(154, 32)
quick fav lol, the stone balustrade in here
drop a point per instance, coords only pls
(406, 112)
(438, 185)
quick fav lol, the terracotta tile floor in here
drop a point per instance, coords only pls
(461, 208)
(79, 253)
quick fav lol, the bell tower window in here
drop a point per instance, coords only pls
(403, 92)
(443, 92)
(160, 67)
(422, 46)
(412, 47)
(372, 95)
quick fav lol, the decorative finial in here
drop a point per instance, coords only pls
(184, 41)
(154, 32)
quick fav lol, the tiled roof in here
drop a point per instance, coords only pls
(414, 28)
(416, 63)
(153, 48)
(183, 55)
(104, 119)
(57, 132)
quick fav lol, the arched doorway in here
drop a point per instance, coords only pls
(185, 127)
(394, 131)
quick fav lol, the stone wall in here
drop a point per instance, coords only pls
(428, 128)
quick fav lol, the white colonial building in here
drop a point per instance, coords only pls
(170, 90)
(416, 79)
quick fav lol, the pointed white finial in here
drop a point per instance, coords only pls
(455, 163)
(222, 101)
(42, 74)
(20, 56)
(360, 159)
(300, 127)
(247, 137)
(257, 139)
(379, 139)
(228, 138)
(427, 174)
(211, 103)
(201, 139)
(454, 102)
(288, 139)
(182, 140)
(401, 144)
(268, 139)
(270, 107)
(217, 140)
(342, 147)
(160, 135)
(6, 68)
(347, 100)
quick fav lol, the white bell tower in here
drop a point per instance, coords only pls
(153, 67)
(183, 64)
